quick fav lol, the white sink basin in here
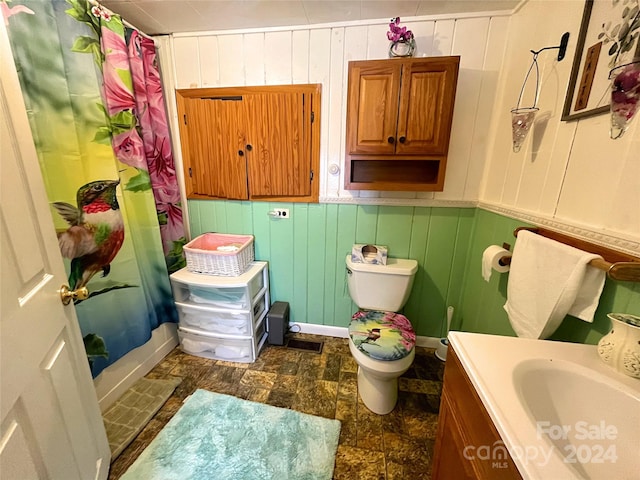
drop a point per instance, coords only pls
(582, 416)
(561, 412)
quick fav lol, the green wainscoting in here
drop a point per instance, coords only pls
(481, 309)
(306, 260)
(306, 253)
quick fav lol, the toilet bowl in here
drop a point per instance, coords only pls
(381, 341)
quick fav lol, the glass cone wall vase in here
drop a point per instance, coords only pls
(625, 96)
(521, 121)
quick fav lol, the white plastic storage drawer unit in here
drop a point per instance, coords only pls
(222, 317)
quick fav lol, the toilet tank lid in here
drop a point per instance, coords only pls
(394, 266)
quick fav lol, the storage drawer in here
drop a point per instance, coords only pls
(244, 350)
(235, 298)
(226, 321)
(218, 292)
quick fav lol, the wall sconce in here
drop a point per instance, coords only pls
(522, 117)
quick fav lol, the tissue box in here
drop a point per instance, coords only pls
(374, 254)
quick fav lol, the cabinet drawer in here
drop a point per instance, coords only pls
(243, 350)
(225, 321)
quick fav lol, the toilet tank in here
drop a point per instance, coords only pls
(381, 287)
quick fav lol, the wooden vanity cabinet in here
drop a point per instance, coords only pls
(468, 446)
(258, 143)
(399, 115)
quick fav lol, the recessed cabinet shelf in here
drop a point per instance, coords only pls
(399, 115)
(391, 174)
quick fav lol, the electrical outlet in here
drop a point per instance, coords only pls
(281, 212)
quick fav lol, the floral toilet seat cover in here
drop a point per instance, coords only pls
(382, 335)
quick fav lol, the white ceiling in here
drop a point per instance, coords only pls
(173, 16)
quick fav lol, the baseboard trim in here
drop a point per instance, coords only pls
(343, 332)
(313, 329)
(427, 342)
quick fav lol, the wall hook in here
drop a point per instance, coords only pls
(523, 118)
(562, 48)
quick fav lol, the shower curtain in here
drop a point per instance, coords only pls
(94, 99)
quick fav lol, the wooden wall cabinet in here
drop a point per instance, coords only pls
(257, 143)
(463, 426)
(399, 114)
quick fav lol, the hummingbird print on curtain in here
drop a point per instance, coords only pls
(95, 233)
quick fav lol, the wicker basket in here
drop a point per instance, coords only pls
(219, 254)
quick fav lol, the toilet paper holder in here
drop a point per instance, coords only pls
(506, 260)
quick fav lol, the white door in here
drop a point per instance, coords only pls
(51, 423)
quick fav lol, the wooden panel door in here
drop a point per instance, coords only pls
(372, 107)
(279, 145)
(426, 106)
(50, 421)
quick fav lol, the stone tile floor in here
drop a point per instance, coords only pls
(394, 446)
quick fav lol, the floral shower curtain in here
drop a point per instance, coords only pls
(94, 99)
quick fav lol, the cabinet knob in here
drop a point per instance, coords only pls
(249, 147)
(391, 140)
(402, 139)
(241, 153)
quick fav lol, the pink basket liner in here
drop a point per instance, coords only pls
(210, 243)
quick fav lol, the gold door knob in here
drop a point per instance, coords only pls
(67, 295)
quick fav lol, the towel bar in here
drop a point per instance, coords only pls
(618, 265)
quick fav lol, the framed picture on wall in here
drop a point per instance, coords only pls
(608, 38)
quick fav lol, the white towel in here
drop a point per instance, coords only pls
(547, 281)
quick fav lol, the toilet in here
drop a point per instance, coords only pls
(381, 340)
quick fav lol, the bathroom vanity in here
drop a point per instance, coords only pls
(534, 409)
(464, 427)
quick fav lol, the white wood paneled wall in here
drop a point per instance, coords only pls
(321, 55)
(569, 175)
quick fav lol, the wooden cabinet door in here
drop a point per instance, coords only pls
(227, 136)
(426, 106)
(449, 461)
(215, 144)
(464, 427)
(372, 108)
(195, 146)
(259, 143)
(279, 156)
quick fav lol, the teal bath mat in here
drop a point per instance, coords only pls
(215, 436)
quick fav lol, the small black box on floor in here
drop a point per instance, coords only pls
(277, 323)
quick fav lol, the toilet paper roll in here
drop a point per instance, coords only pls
(491, 261)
